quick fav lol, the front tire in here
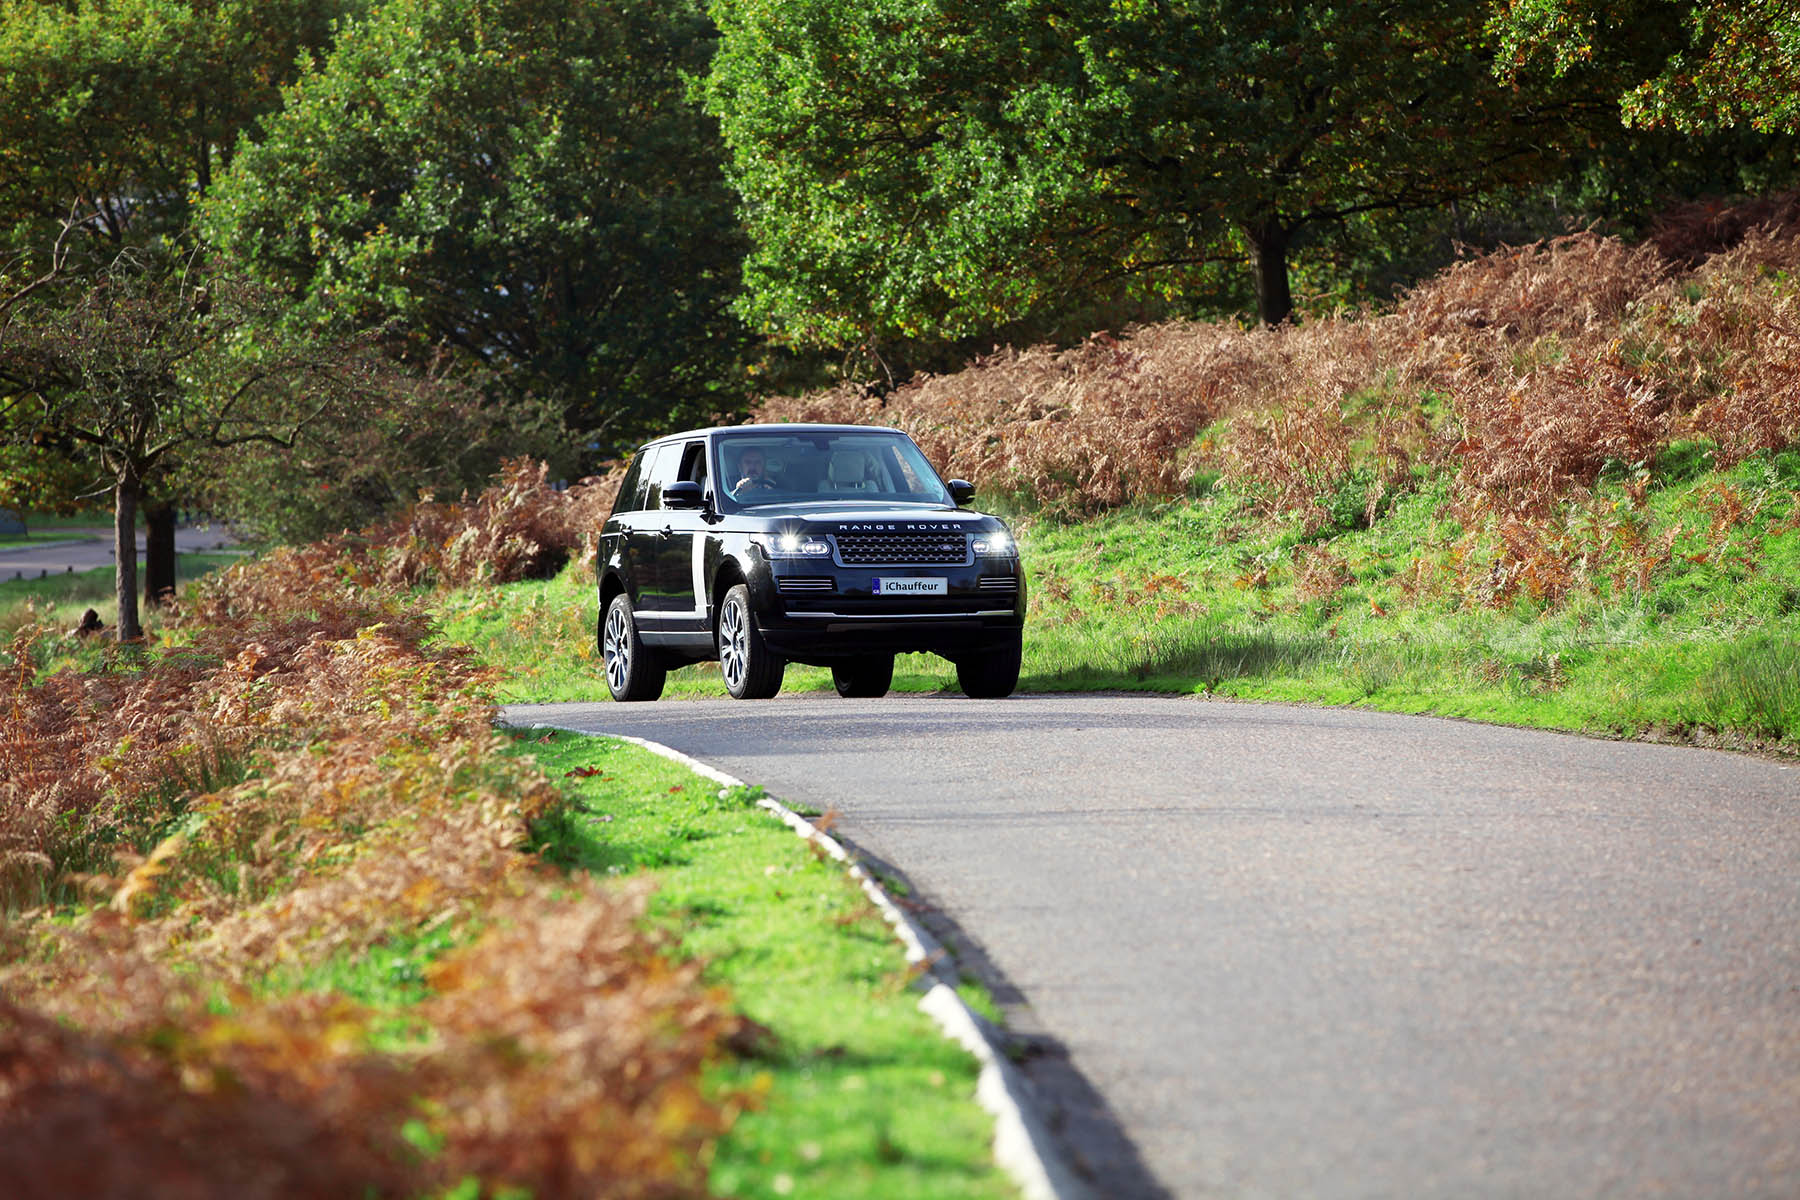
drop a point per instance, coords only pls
(752, 671)
(991, 674)
(632, 672)
(865, 677)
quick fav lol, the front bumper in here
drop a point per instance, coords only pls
(819, 613)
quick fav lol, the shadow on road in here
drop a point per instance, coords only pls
(1088, 1132)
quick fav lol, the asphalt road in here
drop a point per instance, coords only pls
(87, 548)
(1271, 951)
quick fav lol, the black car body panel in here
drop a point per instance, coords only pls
(831, 576)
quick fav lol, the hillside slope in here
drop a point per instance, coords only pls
(1554, 484)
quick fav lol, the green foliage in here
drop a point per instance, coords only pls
(524, 181)
(123, 109)
(118, 115)
(1695, 65)
(37, 478)
(408, 434)
(128, 367)
(932, 166)
(1755, 686)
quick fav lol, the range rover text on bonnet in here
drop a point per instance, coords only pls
(832, 545)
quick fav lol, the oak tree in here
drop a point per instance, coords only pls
(524, 181)
(1693, 65)
(125, 109)
(939, 166)
(129, 365)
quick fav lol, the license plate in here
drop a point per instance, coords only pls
(910, 587)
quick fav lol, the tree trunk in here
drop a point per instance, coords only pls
(159, 552)
(125, 503)
(1268, 263)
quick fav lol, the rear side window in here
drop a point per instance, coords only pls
(662, 468)
(632, 487)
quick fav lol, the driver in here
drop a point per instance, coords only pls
(752, 471)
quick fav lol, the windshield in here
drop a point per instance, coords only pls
(765, 468)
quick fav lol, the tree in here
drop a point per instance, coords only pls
(1733, 61)
(136, 362)
(525, 181)
(937, 165)
(40, 469)
(128, 107)
(124, 110)
(438, 431)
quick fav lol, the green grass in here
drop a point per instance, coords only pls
(59, 600)
(388, 978)
(1201, 595)
(94, 588)
(862, 1096)
(1707, 645)
(13, 540)
(49, 523)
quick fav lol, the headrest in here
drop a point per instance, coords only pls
(848, 466)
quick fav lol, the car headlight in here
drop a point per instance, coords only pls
(793, 545)
(997, 544)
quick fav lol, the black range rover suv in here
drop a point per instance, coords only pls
(832, 545)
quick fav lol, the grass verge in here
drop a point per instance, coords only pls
(269, 923)
(56, 596)
(1697, 639)
(861, 1094)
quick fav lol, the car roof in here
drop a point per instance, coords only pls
(793, 428)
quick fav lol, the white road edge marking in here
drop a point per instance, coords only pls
(1022, 1143)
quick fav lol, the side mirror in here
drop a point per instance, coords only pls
(683, 493)
(961, 492)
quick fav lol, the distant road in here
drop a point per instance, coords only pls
(1297, 952)
(84, 549)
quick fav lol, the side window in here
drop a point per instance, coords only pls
(662, 470)
(693, 463)
(904, 470)
(632, 486)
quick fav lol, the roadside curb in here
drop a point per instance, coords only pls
(1022, 1144)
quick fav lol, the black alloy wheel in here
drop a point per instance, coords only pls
(864, 676)
(632, 672)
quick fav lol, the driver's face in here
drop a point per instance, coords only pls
(751, 464)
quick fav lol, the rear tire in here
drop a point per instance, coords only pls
(632, 671)
(865, 677)
(991, 674)
(752, 671)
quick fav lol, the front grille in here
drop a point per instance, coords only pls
(998, 583)
(801, 584)
(902, 549)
